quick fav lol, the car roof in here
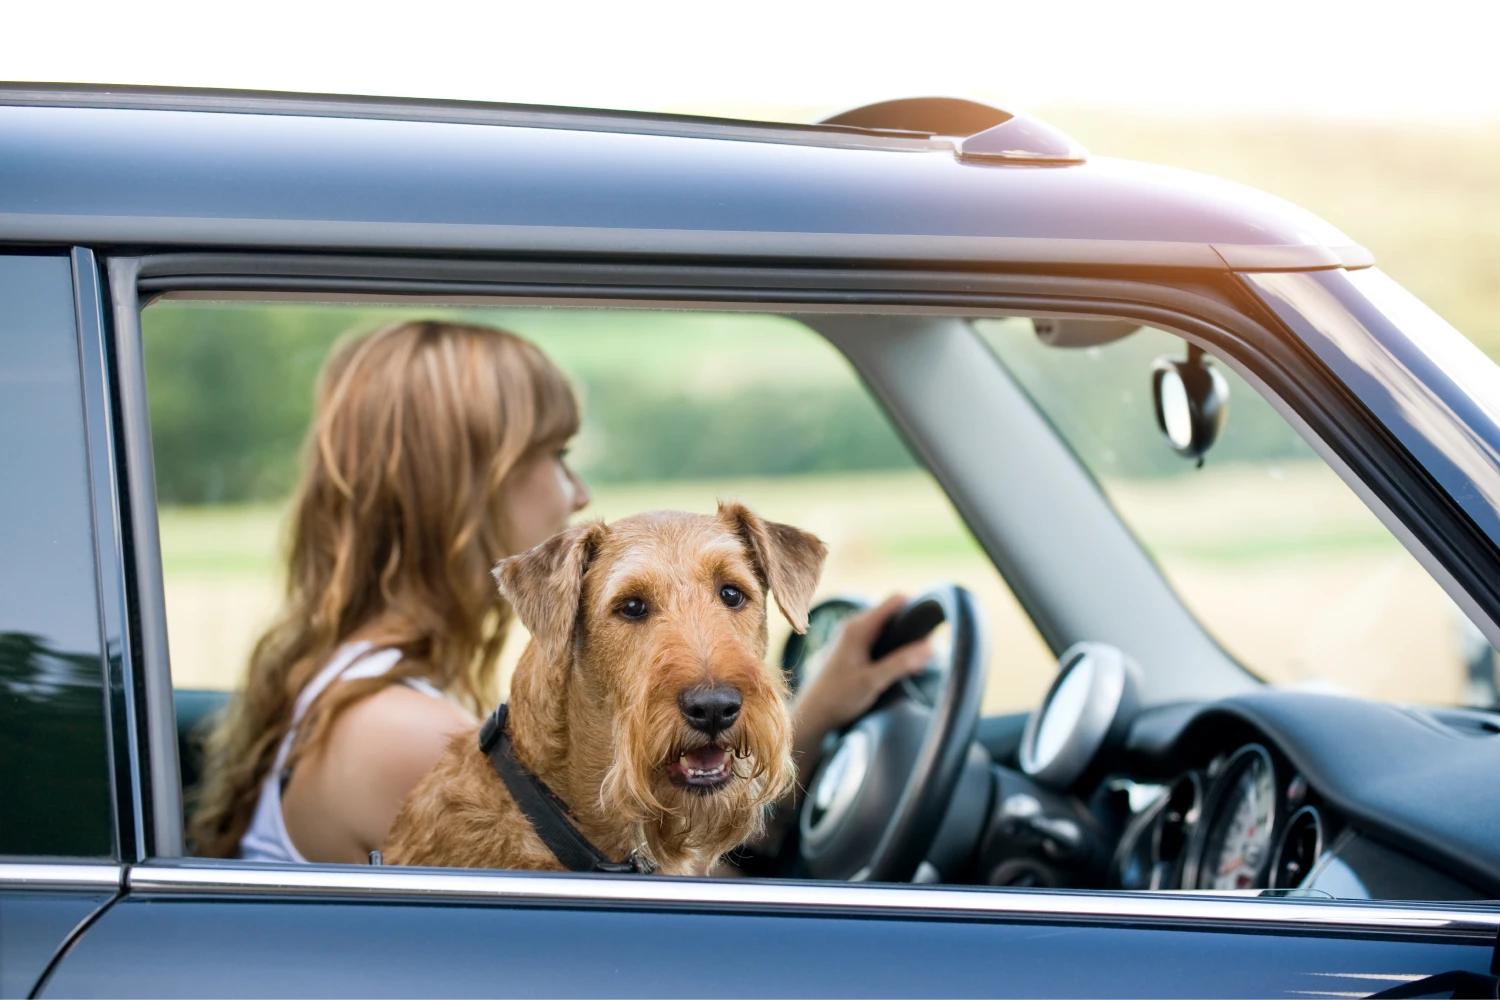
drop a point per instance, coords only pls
(200, 168)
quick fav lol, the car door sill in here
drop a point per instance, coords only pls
(1467, 923)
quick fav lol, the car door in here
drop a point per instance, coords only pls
(214, 930)
(58, 849)
(209, 928)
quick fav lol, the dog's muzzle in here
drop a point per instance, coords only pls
(712, 710)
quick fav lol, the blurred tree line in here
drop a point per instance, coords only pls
(231, 394)
(679, 396)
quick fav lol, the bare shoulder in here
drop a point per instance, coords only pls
(381, 748)
(342, 798)
(397, 731)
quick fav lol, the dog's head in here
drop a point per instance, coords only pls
(650, 666)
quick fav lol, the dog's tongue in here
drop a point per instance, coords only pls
(705, 758)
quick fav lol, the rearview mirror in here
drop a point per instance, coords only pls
(1192, 402)
(1082, 332)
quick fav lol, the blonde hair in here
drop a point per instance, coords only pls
(394, 528)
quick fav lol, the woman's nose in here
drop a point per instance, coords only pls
(581, 494)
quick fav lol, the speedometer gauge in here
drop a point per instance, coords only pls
(1237, 839)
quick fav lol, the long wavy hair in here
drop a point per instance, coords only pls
(394, 528)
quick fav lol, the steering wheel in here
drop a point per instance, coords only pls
(876, 801)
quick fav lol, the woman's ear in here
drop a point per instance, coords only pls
(789, 559)
(544, 584)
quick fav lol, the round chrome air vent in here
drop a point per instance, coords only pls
(1174, 828)
(1094, 689)
(1297, 854)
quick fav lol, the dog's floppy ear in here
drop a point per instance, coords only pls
(544, 583)
(789, 559)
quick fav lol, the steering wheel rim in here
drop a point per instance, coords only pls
(899, 732)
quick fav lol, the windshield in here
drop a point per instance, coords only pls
(1263, 542)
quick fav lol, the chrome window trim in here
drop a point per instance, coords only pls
(109, 558)
(161, 764)
(59, 875)
(1479, 924)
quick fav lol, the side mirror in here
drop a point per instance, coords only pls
(1192, 402)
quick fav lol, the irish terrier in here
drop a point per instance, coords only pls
(644, 701)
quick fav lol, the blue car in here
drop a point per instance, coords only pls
(1213, 709)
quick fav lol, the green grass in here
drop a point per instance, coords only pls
(1281, 570)
(908, 525)
(245, 540)
(1296, 543)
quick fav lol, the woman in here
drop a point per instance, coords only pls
(436, 449)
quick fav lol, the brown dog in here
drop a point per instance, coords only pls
(643, 701)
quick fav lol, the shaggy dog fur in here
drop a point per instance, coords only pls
(594, 708)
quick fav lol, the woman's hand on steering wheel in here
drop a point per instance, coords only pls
(849, 682)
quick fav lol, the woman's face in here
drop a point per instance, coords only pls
(538, 497)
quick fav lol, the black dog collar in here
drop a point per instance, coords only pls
(548, 814)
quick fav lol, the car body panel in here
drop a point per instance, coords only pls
(122, 174)
(347, 948)
(43, 908)
(362, 930)
(35, 925)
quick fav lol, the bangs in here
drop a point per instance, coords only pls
(557, 412)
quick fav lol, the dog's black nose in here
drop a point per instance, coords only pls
(710, 708)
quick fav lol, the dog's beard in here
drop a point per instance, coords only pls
(673, 821)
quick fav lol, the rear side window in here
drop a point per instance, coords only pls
(54, 768)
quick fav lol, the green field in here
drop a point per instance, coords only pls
(1310, 590)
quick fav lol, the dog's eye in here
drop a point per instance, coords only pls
(734, 597)
(633, 608)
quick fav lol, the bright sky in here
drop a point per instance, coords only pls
(802, 59)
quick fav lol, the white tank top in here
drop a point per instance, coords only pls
(267, 839)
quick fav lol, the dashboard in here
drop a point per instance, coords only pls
(1275, 791)
(1236, 824)
(1272, 791)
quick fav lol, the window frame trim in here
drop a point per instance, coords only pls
(60, 875)
(121, 723)
(159, 776)
(1202, 313)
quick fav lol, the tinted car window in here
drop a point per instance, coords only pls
(54, 778)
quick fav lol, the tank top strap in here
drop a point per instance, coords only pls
(422, 685)
(267, 838)
(353, 661)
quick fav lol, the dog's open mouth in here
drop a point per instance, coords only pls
(702, 769)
